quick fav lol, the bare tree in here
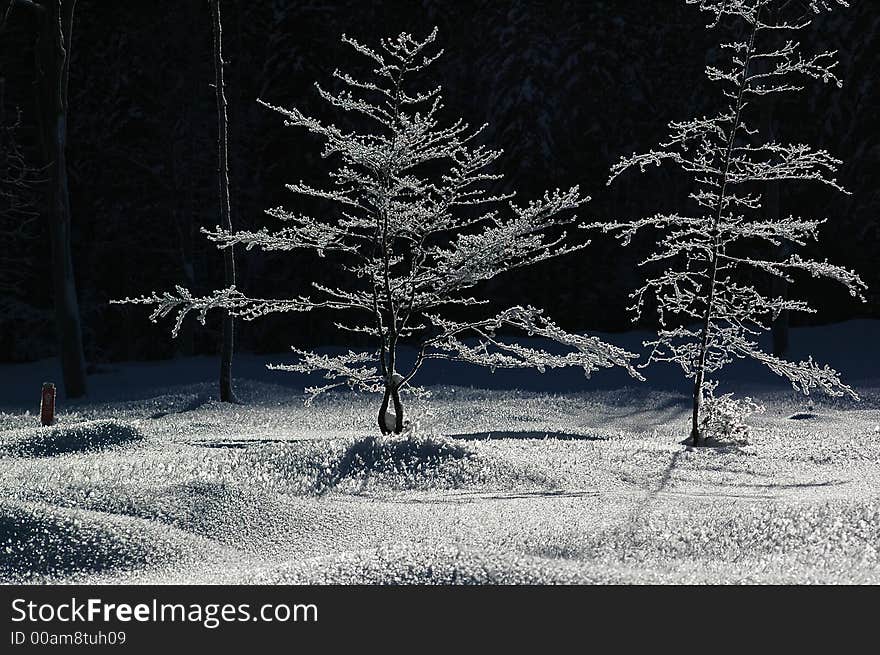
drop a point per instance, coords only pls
(54, 19)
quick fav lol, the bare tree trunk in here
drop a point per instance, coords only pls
(392, 396)
(52, 63)
(235, 112)
(398, 408)
(771, 205)
(226, 392)
(383, 411)
(779, 286)
(699, 376)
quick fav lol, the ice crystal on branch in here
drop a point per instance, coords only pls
(416, 226)
(709, 304)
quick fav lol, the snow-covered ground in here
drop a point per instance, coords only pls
(152, 481)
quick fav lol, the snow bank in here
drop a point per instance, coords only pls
(393, 463)
(407, 457)
(73, 438)
(43, 543)
(398, 462)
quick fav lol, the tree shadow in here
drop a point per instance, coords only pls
(235, 443)
(672, 406)
(539, 493)
(780, 485)
(525, 434)
(465, 497)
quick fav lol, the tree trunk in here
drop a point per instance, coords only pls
(699, 376)
(226, 392)
(771, 204)
(697, 407)
(392, 396)
(398, 408)
(236, 114)
(779, 286)
(52, 62)
(383, 412)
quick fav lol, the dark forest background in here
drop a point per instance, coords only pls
(566, 87)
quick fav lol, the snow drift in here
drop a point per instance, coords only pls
(59, 439)
(42, 544)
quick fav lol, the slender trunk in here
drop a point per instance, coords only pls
(699, 377)
(392, 397)
(236, 115)
(398, 408)
(383, 411)
(226, 350)
(779, 327)
(52, 63)
(770, 204)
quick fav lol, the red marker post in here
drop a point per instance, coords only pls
(47, 404)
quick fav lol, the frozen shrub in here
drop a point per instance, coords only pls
(724, 418)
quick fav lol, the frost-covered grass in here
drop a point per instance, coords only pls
(493, 487)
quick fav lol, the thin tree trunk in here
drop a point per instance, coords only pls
(699, 377)
(226, 392)
(52, 63)
(779, 286)
(391, 396)
(236, 114)
(771, 209)
(398, 408)
(383, 411)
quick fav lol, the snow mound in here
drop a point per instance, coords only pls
(408, 456)
(393, 463)
(74, 438)
(399, 462)
(248, 520)
(417, 564)
(41, 543)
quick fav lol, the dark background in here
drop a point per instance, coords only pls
(566, 87)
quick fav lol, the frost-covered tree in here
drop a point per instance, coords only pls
(416, 227)
(19, 182)
(710, 255)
